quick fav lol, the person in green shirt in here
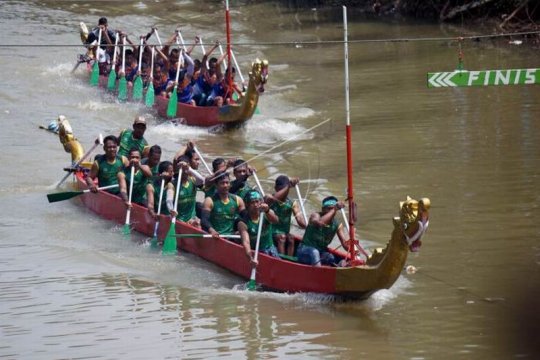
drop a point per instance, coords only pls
(129, 139)
(143, 192)
(153, 159)
(106, 167)
(221, 211)
(248, 227)
(242, 171)
(187, 197)
(319, 233)
(284, 208)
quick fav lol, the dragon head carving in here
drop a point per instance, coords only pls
(414, 220)
(259, 74)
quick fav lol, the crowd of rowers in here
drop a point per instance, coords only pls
(200, 82)
(229, 207)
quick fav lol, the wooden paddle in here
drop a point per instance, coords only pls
(126, 230)
(252, 285)
(94, 77)
(206, 236)
(138, 83)
(173, 99)
(61, 196)
(153, 243)
(301, 203)
(150, 93)
(122, 84)
(100, 142)
(170, 245)
(111, 83)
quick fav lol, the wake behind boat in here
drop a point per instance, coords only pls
(364, 277)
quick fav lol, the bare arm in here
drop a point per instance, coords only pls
(298, 215)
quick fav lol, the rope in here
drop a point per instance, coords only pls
(328, 42)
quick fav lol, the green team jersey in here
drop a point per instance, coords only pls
(139, 185)
(266, 233)
(283, 210)
(127, 141)
(187, 200)
(224, 214)
(320, 237)
(107, 172)
(154, 169)
(243, 191)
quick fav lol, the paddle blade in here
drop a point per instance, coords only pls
(173, 104)
(169, 246)
(126, 230)
(111, 84)
(153, 243)
(94, 77)
(251, 285)
(150, 95)
(137, 89)
(62, 196)
(122, 89)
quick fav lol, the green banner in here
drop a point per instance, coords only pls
(483, 78)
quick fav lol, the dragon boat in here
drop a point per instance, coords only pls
(378, 271)
(233, 114)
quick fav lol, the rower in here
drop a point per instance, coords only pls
(153, 159)
(249, 224)
(165, 172)
(218, 165)
(319, 233)
(221, 211)
(143, 192)
(134, 138)
(242, 171)
(106, 167)
(186, 211)
(284, 208)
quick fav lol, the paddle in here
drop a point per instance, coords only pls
(94, 77)
(224, 61)
(100, 142)
(202, 159)
(126, 230)
(158, 39)
(150, 93)
(169, 245)
(252, 284)
(122, 84)
(181, 39)
(71, 194)
(206, 236)
(111, 84)
(138, 83)
(301, 203)
(173, 99)
(153, 243)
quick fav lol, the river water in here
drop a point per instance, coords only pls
(72, 287)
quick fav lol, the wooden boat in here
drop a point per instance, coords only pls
(379, 271)
(205, 116)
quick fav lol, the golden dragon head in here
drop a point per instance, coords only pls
(414, 220)
(259, 74)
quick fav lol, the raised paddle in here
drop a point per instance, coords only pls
(111, 83)
(170, 245)
(207, 236)
(153, 243)
(158, 39)
(126, 230)
(301, 203)
(100, 142)
(122, 84)
(173, 99)
(61, 196)
(94, 77)
(138, 83)
(150, 93)
(202, 159)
